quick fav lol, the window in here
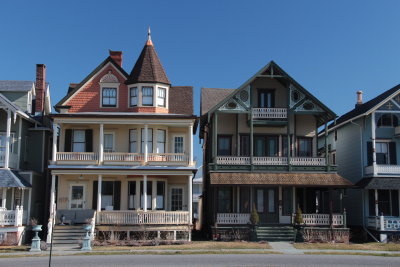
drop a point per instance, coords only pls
(304, 147)
(160, 141)
(109, 97)
(333, 158)
(178, 144)
(176, 199)
(245, 199)
(388, 120)
(161, 96)
(245, 145)
(382, 153)
(3, 142)
(107, 195)
(147, 96)
(266, 146)
(149, 192)
(224, 200)
(134, 96)
(131, 194)
(149, 140)
(133, 141)
(284, 146)
(160, 195)
(108, 142)
(78, 141)
(266, 98)
(224, 145)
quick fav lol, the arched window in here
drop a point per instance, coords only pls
(388, 120)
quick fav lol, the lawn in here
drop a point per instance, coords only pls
(364, 246)
(10, 249)
(195, 245)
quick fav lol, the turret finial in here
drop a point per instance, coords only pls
(149, 42)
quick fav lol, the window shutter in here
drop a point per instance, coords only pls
(68, 140)
(117, 195)
(89, 140)
(94, 203)
(369, 153)
(392, 151)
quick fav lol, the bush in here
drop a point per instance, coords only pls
(299, 216)
(254, 218)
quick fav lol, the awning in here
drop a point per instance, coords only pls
(379, 183)
(294, 179)
(10, 178)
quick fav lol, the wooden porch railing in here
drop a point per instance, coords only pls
(76, 156)
(321, 219)
(308, 161)
(270, 161)
(232, 160)
(383, 169)
(142, 217)
(233, 218)
(384, 223)
(296, 161)
(269, 113)
(11, 217)
(123, 157)
(167, 157)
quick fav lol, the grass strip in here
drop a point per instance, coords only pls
(353, 253)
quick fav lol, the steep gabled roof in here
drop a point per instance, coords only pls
(72, 91)
(367, 107)
(148, 68)
(16, 86)
(211, 97)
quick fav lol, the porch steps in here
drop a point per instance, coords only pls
(66, 235)
(275, 233)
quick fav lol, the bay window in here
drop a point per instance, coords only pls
(147, 96)
(161, 96)
(133, 96)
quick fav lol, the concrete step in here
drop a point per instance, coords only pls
(69, 241)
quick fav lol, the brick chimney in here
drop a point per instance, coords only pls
(40, 87)
(359, 98)
(116, 56)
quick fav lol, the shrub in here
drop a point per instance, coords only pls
(254, 218)
(299, 216)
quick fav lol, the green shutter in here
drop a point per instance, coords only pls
(68, 140)
(89, 140)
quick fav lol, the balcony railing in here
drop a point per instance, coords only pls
(77, 156)
(296, 161)
(143, 217)
(167, 157)
(269, 113)
(123, 157)
(384, 223)
(12, 161)
(11, 217)
(233, 218)
(383, 170)
(320, 219)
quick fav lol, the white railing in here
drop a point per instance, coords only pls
(384, 223)
(123, 157)
(76, 156)
(269, 113)
(270, 161)
(11, 217)
(142, 217)
(308, 161)
(383, 169)
(12, 161)
(167, 157)
(232, 160)
(319, 219)
(233, 218)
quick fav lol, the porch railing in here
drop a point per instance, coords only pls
(167, 157)
(383, 169)
(270, 161)
(232, 160)
(296, 161)
(384, 223)
(269, 113)
(142, 217)
(123, 157)
(320, 219)
(233, 218)
(11, 217)
(307, 161)
(77, 156)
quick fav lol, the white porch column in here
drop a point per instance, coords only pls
(190, 197)
(54, 153)
(4, 197)
(99, 186)
(154, 195)
(146, 149)
(52, 194)
(373, 136)
(145, 192)
(376, 203)
(8, 133)
(190, 133)
(137, 195)
(101, 144)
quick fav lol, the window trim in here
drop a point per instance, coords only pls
(108, 86)
(137, 96)
(152, 96)
(173, 143)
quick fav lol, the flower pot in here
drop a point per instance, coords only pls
(36, 228)
(87, 227)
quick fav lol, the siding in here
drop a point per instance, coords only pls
(18, 98)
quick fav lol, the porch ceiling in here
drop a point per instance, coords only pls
(295, 179)
(379, 183)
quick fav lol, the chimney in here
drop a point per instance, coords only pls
(116, 56)
(40, 88)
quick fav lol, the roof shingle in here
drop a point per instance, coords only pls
(210, 97)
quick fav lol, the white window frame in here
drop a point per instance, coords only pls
(152, 97)
(165, 140)
(113, 139)
(137, 96)
(83, 197)
(158, 98)
(135, 141)
(109, 85)
(183, 196)
(173, 143)
(72, 139)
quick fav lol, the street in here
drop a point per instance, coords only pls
(204, 260)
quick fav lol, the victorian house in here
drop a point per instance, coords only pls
(365, 144)
(25, 134)
(125, 154)
(261, 152)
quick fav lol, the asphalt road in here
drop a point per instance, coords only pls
(204, 260)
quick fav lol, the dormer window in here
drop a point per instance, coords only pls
(109, 97)
(161, 96)
(147, 96)
(134, 96)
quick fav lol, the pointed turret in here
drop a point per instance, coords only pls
(148, 68)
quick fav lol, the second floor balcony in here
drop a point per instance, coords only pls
(281, 161)
(270, 113)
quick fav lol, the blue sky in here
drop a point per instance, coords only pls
(332, 48)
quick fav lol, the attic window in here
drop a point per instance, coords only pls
(388, 120)
(109, 97)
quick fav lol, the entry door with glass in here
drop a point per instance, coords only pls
(77, 197)
(176, 198)
(266, 200)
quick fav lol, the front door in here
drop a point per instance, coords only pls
(266, 200)
(176, 198)
(77, 197)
